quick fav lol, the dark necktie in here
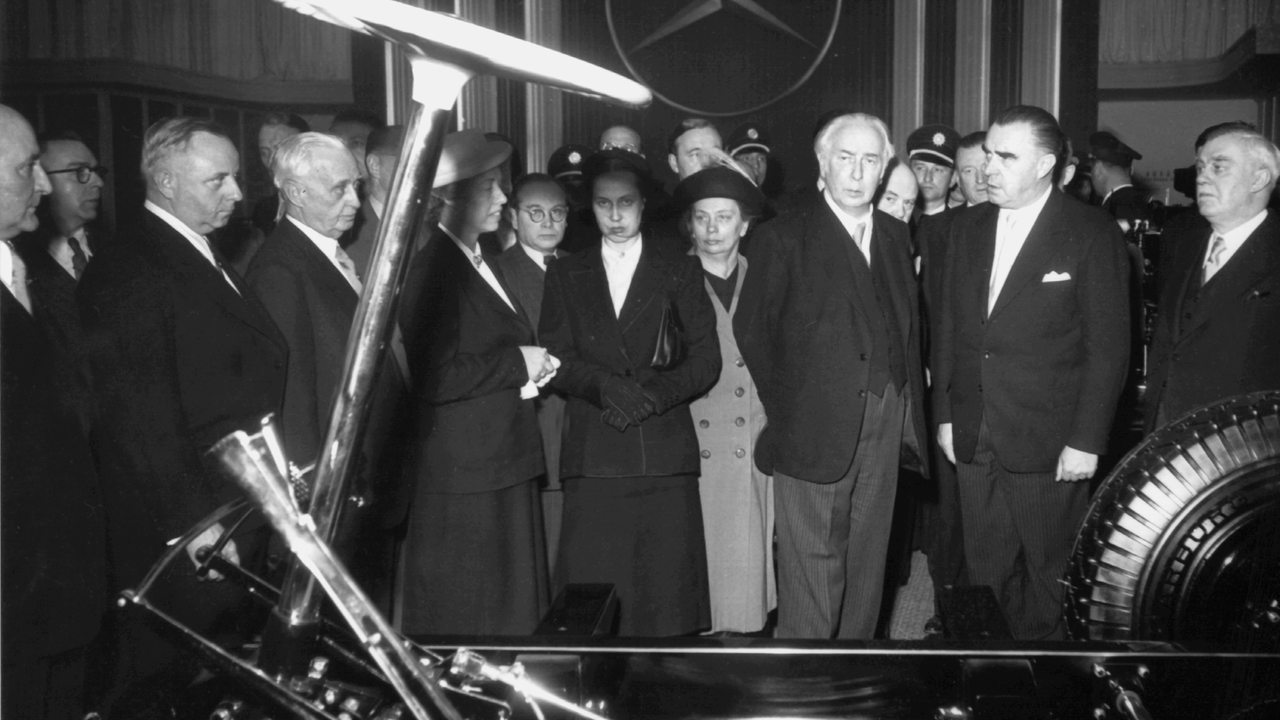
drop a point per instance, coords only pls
(548, 261)
(78, 259)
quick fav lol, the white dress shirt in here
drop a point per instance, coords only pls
(199, 242)
(620, 263)
(851, 224)
(13, 273)
(536, 256)
(1012, 229)
(1232, 240)
(329, 248)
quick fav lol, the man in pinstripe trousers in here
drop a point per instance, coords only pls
(830, 330)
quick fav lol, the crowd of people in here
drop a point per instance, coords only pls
(704, 396)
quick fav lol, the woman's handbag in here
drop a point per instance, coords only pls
(668, 348)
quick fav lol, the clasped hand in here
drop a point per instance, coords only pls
(540, 364)
(625, 403)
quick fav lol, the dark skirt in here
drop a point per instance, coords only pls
(644, 535)
(474, 564)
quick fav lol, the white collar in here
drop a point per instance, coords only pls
(198, 241)
(1241, 232)
(621, 251)
(535, 255)
(377, 206)
(1026, 216)
(475, 256)
(848, 221)
(326, 245)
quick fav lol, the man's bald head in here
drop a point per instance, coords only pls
(22, 180)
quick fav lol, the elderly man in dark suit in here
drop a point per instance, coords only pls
(831, 333)
(539, 213)
(310, 287)
(183, 354)
(1218, 332)
(52, 527)
(1028, 365)
(306, 281)
(474, 550)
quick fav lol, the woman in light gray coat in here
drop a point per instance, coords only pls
(737, 499)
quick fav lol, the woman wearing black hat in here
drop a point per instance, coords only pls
(636, 334)
(720, 205)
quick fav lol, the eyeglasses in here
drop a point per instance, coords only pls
(83, 173)
(537, 214)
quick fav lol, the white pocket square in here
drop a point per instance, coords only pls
(1056, 277)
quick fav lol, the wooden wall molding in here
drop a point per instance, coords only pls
(47, 75)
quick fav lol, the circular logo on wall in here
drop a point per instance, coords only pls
(722, 57)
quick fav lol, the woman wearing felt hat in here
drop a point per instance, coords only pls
(720, 204)
(612, 314)
(474, 553)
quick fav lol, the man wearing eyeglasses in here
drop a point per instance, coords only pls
(539, 211)
(60, 250)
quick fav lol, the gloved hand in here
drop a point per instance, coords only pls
(614, 419)
(628, 398)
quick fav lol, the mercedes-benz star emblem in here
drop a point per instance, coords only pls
(722, 57)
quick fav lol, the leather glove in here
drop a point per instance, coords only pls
(628, 398)
(614, 419)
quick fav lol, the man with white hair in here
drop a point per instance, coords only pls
(830, 331)
(183, 355)
(306, 281)
(1219, 313)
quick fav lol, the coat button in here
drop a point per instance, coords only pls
(979, 388)
(739, 392)
(740, 452)
(862, 393)
(706, 453)
(740, 422)
(986, 356)
(862, 357)
(739, 362)
(704, 424)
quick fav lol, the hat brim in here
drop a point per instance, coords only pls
(750, 146)
(932, 156)
(467, 158)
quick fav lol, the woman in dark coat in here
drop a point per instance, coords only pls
(630, 460)
(473, 556)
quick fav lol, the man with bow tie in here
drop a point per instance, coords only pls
(1029, 358)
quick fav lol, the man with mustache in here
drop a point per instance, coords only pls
(307, 282)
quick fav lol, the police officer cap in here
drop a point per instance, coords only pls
(935, 143)
(568, 161)
(747, 137)
(1108, 148)
(720, 182)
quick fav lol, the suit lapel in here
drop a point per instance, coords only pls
(644, 287)
(831, 244)
(312, 261)
(1040, 247)
(1257, 259)
(203, 278)
(591, 283)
